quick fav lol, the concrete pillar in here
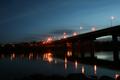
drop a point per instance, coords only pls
(75, 49)
(62, 49)
(82, 52)
(79, 48)
(92, 51)
(69, 46)
(115, 48)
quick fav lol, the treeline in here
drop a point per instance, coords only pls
(40, 47)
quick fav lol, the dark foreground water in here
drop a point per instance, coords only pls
(15, 66)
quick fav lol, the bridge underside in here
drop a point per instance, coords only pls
(86, 42)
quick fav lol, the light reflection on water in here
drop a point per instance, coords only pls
(69, 53)
(15, 65)
(12, 57)
(95, 69)
(104, 55)
(83, 69)
(48, 57)
(65, 63)
(76, 64)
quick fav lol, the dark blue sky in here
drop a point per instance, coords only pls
(27, 20)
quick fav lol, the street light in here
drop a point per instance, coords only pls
(111, 20)
(64, 35)
(81, 28)
(49, 39)
(93, 28)
(75, 33)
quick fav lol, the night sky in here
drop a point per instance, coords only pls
(28, 20)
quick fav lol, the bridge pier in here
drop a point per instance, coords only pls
(81, 49)
(73, 48)
(92, 51)
(77, 49)
(115, 48)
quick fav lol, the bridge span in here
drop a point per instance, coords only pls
(83, 42)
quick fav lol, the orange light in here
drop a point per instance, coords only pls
(48, 57)
(69, 53)
(30, 56)
(64, 35)
(12, 56)
(83, 70)
(75, 33)
(76, 64)
(95, 69)
(65, 60)
(49, 39)
(65, 63)
(117, 75)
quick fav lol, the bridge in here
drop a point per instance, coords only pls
(113, 31)
(78, 45)
(86, 41)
